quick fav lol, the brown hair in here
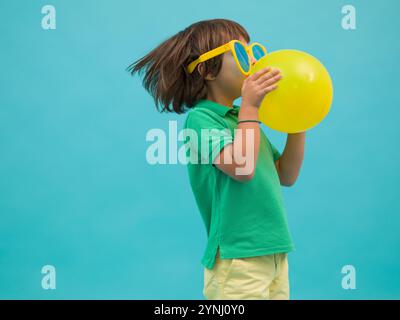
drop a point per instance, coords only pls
(166, 77)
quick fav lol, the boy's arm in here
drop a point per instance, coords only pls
(226, 161)
(254, 88)
(289, 164)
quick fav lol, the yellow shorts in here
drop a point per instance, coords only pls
(254, 278)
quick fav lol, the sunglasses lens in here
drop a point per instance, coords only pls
(242, 56)
(258, 52)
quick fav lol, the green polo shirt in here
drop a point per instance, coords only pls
(243, 219)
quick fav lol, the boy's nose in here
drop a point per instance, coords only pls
(252, 60)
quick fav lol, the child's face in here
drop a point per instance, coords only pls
(230, 79)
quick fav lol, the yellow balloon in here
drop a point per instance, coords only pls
(304, 94)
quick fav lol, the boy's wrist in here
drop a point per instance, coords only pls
(248, 112)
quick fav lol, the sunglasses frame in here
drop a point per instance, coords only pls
(230, 46)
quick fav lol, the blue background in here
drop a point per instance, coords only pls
(76, 191)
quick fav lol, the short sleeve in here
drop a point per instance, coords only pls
(209, 134)
(275, 153)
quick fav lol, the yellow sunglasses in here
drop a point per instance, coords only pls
(240, 52)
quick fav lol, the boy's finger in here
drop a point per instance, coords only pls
(259, 73)
(269, 89)
(270, 81)
(267, 76)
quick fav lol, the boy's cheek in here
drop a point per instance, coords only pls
(236, 79)
(235, 74)
(240, 79)
(231, 73)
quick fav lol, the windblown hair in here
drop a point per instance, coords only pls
(166, 77)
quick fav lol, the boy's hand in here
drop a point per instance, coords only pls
(256, 86)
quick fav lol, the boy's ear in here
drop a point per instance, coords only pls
(201, 70)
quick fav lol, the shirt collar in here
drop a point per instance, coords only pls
(216, 107)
